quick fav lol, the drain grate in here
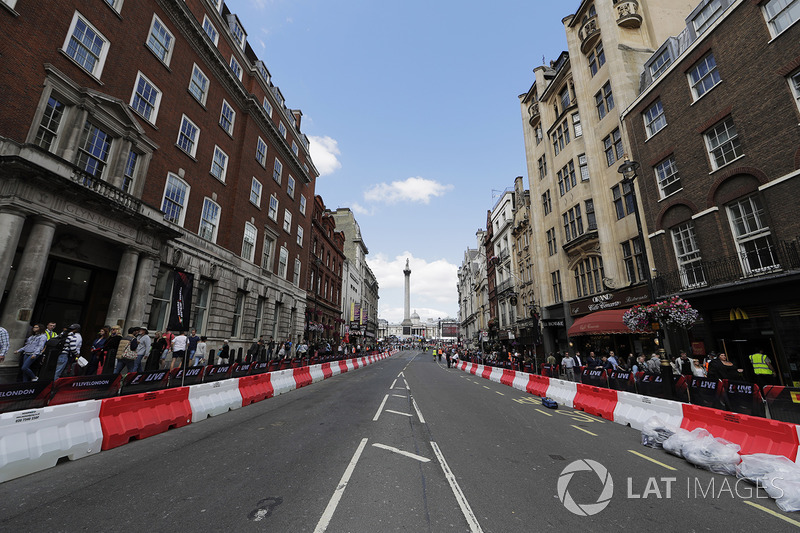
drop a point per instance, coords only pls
(557, 458)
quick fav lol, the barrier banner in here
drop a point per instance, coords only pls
(259, 367)
(240, 370)
(144, 381)
(705, 392)
(79, 388)
(216, 372)
(743, 397)
(549, 371)
(654, 385)
(194, 375)
(30, 395)
(783, 403)
(623, 381)
(595, 377)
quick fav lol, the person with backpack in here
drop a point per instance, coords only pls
(71, 349)
(126, 351)
(33, 348)
(654, 364)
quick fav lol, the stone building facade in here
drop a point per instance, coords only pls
(325, 270)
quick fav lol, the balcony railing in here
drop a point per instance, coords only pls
(535, 116)
(758, 262)
(589, 34)
(106, 190)
(503, 255)
(505, 285)
(628, 14)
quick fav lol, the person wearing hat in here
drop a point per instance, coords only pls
(71, 350)
(142, 348)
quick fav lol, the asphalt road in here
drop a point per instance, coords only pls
(404, 444)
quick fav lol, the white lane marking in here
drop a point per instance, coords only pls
(397, 412)
(399, 396)
(416, 408)
(401, 452)
(325, 519)
(393, 383)
(474, 527)
(380, 408)
(401, 375)
(406, 382)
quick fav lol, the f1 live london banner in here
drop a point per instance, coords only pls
(181, 309)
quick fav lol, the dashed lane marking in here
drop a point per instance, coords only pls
(544, 412)
(380, 408)
(773, 513)
(325, 519)
(398, 412)
(401, 452)
(584, 430)
(659, 463)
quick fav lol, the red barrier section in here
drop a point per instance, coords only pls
(753, 434)
(355, 362)
(256, 388)
(487, 372)
(538, 385)
(473, 369)
(342, 366)
(326, 370)
(139, 416)
(508, 377)
(596, 401)
(302, 376)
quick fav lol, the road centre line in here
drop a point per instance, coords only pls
(380, 408)
(325, 519)
(474, 526)
(416, 408)
(773, 513)
(500, 393)
(401, 452)
(485, 387)
(543, 412)
(398, 412)
(584, 430)
(659, 463)
(399, 396)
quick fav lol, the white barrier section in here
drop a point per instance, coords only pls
(316, 373)
(283, 381)
(35, 439)
(635, 410)
(496, 374)
(214, 398)
(335, 370)
(350, 365)
(520, 381)
(562, 391)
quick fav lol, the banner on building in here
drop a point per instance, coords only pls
(181, 308)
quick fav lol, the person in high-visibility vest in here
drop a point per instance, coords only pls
(762, 367)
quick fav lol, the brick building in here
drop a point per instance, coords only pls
(715, 132)
(137, 140)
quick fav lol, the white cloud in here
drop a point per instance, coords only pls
(361, 210)
(324, 152)
(415, 190)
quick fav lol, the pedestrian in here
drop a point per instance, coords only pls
(191, 345)
(127, 352)
(179, 345)
(169, 337)
(568, 364)
(200, 353)
(156, 349)
(71, 350)
(143, 344)
(111, 348)
(97, 355)
(762, 368)
(33, 348)
(224, 353)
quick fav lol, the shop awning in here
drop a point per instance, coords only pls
(599, 323)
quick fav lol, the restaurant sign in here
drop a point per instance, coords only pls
(610, 300)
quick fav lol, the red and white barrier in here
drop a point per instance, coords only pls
(635, 409)
(215, 398)
(283, 381)
(562, 391)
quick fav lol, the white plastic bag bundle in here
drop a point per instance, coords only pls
(655, 431)
(776, 474)
(785, 492)
(676, 442)
(715, 454)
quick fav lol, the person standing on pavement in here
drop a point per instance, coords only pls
(224, 353)
(4, 344)
(33, 348)
(142, 348)
(200, 353)
(179, 345)
(762, 368)
(71, 350)
(191, 345)
(568, 364)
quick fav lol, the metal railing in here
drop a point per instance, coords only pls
(106, 190)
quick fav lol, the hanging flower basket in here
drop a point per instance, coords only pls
(673, 311)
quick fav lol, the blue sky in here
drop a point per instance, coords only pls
(412, 111)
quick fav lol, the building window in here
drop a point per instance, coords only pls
(266, 254)
(283, 263)
(583, 165)
(236, 68)
(753, 236)
(563, 96)
(162, 296)
(227, 117)
(287, 221)
(200, 311)
(210, 30)
(633, 258)
(296, 275)
(300, 233)
(704, 76)
(597, 58)
(302, 205)
(290, 186)
(552, 247)
(295, 149)
(277, 170)
(547, 204)
(723, 144)
(542, 167)
(146, 98)
(236, 31)
(539, 133)
(589, 276)
(273, 207)
(188, 136)
(198, 85)
(667, 176)
(591, 221)
(577, 129)
(555, 279)
(261, 152)
(707, 15)
(604, 100)
(781, 14)
(282, 130)
(660, 64)
(573, 223)
(612, 145)
(47, 133)
(209, 222)
(219, 166)
(249, 241)
(561, 137)
(566, 178)
(176, 194)
(86, 46)
(687, 253)
(654, 119)
(259, 318)
(623, 199)
(129, 174)
(160, 40)
(267, 107)
(238, 312)
(116, 5)
(93, 150)
(255, 192)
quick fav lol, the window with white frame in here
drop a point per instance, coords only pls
(116, 5)
(236, 30)
(654, 118)
(283, 262)
(668, 177)
(794, 83)
(129, 174)
(577, 129)
(661, 63)
(573, 223)
(704, 76)
(209, 221)
(267, 253)
(753, 237)
(160, 40)
(583, 165)
(273, 207)
(687, 254)
(287, 221)
(210, 30)
(290, 186)
(200, 307)
(566, 178)
(198, 85)
(188, 136)
(781, 14)
(277, 171)
(302, 205)
(707, 15)
(47, 134)
(300, 233)
(227, 117)
(249, 241)
(723, 143)
(589, 276)
(162, 296)
(219, 165)
(295, 149)
(261, 152)
(236, 68)
(282, 130)
(238, 313)
(604, 100)
(176, 195)
(296, 274)
(86, 45)
(93, 150)
(597, 58)
(146, 98)
(539, 133)
(267, 107)
(258, 320)
(255, 192)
